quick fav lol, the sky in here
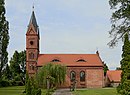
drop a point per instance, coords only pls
(66, 26)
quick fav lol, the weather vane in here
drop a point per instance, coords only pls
(33, 7)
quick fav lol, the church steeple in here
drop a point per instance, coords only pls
(33, 21)
(33, 24)
(32, 45)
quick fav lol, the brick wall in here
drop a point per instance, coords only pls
(94, 77)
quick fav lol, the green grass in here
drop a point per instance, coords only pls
(15, 90)
(102, 91)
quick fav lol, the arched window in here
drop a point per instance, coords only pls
(72, 76)
(31, 67)
(31, 55)
(55, 60)
(82, 76)
(81, 60)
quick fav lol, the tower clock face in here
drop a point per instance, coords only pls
(31, 42)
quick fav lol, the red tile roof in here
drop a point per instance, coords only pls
(114, 75)
(70, 59)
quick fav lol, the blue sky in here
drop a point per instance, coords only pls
(66, 26)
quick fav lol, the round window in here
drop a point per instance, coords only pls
(31, 42)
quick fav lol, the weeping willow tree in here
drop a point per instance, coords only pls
(54, 73)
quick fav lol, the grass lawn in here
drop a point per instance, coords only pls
(15, 90)
(102, 91)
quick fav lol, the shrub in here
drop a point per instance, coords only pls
(4, 83)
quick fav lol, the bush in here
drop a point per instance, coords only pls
(17, 78)
(15, 83)
(19, 83)
(12, 82)
(4, 83)
(38, 92)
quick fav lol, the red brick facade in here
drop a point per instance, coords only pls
(93, 77)
(87, 69)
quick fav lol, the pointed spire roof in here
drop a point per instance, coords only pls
(33, 21)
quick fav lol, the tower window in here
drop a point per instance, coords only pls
(31, 42)
(31, 55)
(31, 67)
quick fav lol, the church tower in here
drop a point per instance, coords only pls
(32, 45)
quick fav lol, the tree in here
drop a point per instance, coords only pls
(7, 73)
(17, 66)
(54, 73)
(31, 86)
(120, 20)
(4, 38)
(28, 86)
(22, 64)
(14, 64)
(118, 68)
(105, 69)
(124, 87)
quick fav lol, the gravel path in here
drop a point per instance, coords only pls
(62, 92)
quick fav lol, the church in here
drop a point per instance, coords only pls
(86, 69)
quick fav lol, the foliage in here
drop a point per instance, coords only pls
(17, 66)
(31, 86)
(120, 19)
(54, 73)
(118, 68)
(22, 64)
(105, 69)
(14, 64)
(7, 73)
(124, 87)
(4, 83)
(4, 38)
(28, 86)
(14, 74)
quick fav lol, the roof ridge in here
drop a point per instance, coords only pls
(65, 54)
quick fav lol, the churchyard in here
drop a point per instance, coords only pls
(18, 90)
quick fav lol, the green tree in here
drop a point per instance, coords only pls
(17, 66)
(4, 38)
(118, 68)
(54, 73)
(105, 69)
(31, 86)
(14, 64)
(120, 19)
(124, 87)
(22, 64)
(7, 73)
(28, 86)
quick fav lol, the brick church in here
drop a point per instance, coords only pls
(86, 69)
